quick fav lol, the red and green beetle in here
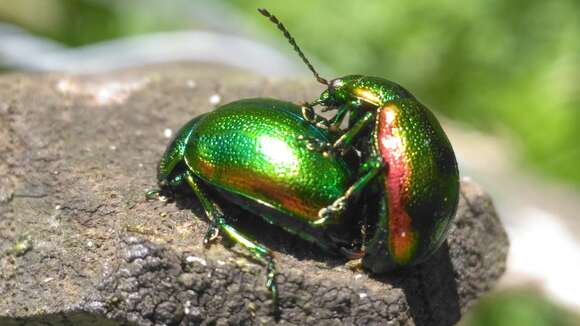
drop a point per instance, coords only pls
(407, 160)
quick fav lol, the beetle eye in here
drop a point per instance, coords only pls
(336, 83)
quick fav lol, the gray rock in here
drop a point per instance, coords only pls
(77, 154)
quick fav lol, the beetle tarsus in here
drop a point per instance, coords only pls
(310, 116)
(271, 283)
(152, 194)
(315, 145)
(308, 112)
(355, 264)
(212, 233)
(156, 194)
(329, 214)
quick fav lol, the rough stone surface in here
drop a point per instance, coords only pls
(80, 245)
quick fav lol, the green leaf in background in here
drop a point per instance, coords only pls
(518, 307)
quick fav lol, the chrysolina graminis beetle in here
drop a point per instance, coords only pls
(407, 161)
(409, 168)
(251, 153)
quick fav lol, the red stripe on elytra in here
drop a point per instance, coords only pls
(393, 151)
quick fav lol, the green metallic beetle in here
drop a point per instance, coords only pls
(251, 153)
(408, 164)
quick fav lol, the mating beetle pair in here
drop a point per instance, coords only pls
(297, 170)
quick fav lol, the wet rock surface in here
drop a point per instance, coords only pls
(80, 245)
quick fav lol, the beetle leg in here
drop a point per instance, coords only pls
(219, 225)
(315, 144)
(211, 233)
(329, 214)
(260, 252)
(165, 191)
(211, 209)
(343, 144)
(336, 121)
(345, 141)
(157, 194)
(310, 115)
(153, 194)
(332, 125)
(355, 265)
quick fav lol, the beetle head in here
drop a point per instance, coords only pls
(339, 91)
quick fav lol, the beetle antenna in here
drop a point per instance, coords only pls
(290, 39)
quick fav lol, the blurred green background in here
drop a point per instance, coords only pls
(509, 68)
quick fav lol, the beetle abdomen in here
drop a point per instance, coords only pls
(252, 148)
